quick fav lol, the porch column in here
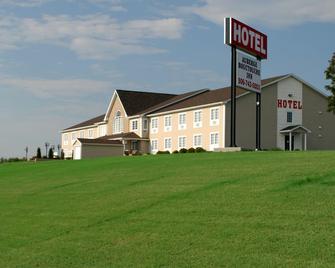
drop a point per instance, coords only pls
(305, 140)
(290, 141)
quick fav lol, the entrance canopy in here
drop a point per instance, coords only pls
(294, 130)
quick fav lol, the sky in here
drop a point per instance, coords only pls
(60, 60)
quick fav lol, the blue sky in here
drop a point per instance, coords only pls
(60, 60)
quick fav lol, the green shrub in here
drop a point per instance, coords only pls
(175, 152)
(183, 151)
(163, 152)
(200, 150)
(191, 150)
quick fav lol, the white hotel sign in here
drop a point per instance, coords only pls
(248, 72)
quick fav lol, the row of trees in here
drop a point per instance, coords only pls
(49, 152)
(330, 75)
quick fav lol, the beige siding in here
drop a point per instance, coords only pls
(318, 120)
(205, 130)
(117, 106)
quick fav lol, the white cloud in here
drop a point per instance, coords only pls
(92, 37)
(44, 88)
(271, 12)
(23, 3)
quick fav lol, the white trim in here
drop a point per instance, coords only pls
(131, 124)
(182, 126)
(110, 106)
(197, 124)
(190, 108)
(214, 145)
(295, 128)
(154, 150)
(65, 138)
(181, 147)
(167, 128)
(155, 129)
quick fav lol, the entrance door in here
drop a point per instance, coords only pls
(287, 143)
(77, 153)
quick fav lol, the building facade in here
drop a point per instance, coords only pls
(293, 113)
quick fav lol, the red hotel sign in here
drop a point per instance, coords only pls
(290, 104)
(246, 38)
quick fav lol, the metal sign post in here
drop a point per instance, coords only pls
(233, 98)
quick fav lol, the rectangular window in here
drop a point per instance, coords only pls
(66, 139)
(154, 145)
(167, 143)
(82, 135)
(74, 136)
(145, 124)
(102, 131)
(182, 121)
(134, 125)
(181, 142)
(197, 141)
(167, 123)
(197, 122)
(214, 138)
(214, 116)
(289, 117)
(154, 123)
(90, 133)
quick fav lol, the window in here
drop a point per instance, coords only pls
(134, 125)
(197, 140)
(197, 119)
(167, 123)
(181, 142)
(182, 121)
(74, 136)
(289, 117)
(154, 145)
(90, 133)
(66, 139)
(82, 134)
(145, 124)
(102, 130)
(118, 123)
(167, 143)
(214, 116)
(154, 123)
(214, 138)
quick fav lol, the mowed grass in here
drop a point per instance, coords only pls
(260, 209)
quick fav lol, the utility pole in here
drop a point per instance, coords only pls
(46, 144)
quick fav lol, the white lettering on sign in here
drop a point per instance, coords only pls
(248, 72)
(289, 104)
(245, 38)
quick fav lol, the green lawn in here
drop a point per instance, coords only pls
(260, 209)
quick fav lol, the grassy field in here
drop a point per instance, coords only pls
(195, 210)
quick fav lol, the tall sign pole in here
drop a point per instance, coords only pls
(248, 47)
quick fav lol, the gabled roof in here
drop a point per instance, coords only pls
(89, 122)
(137, 101)
(127, 135)
(294, 128)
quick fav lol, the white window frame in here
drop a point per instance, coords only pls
(118, 123)
(154, 127)
(167, 128)
(66, 139)
(185, 142)
(90, 133)
(168, 148)
(134, 123)
(194, 143)
(73, 136)
(214, 121)
(102, 130)
(196, 123)
(154, 150)
(214, 145)
(181, 126)
(82, 134)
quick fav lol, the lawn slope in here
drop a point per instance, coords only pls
(213, 209)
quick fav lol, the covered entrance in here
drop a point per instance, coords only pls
(295, 137)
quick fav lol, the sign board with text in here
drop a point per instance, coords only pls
(248, 72)
(246, 38)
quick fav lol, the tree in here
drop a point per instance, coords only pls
(51, 153)
(330, 75)
(26, 151)
(46, 144)
(62, 155)
(38, 154)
